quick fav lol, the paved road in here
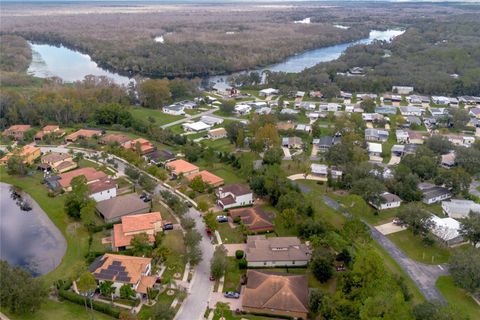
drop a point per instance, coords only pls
(423, 275)
(196, 302)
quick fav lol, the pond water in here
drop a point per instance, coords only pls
(28, 238)
(69, 65)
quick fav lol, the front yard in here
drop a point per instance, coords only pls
(230, 235)
(159, 117)
(233, 275)
(458, 297)
(175, 262)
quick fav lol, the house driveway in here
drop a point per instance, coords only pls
(394, 160)
(423, 275)
(301, 176)
(232, 247)
(234, 304)
(389, 228)
(473, 188)
(286, 153)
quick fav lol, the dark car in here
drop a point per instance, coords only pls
(143, 195)
(168, 226)
(189, 204)
(231, 295)
(147, 199)
(221, 219)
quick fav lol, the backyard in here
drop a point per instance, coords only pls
(230, 235)
(159, 117)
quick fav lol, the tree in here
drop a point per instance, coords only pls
(288, 217)
(469, 159)
(322, 269)
(434, 310)
(203, 206)
(126, 291)
(315, 300)
(464, 266)
(107, 289)
(141, 245)
(19, 291)
(227, 107)
(415, 218)
(456, 179)
(16, 166)
(86, 285)
(218, 262)
(77, 198)
(439, 144)
(194, 255)
(147, 183)
(369, 189)
(197, 184)
(368, 105)
(154, 93)
(88, 213)
(273, 156)
(470, 228)
(163, 311)
(460, 118)
(210, 220)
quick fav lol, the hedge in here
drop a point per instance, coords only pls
(97, 306)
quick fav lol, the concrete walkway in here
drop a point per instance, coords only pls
(389, 228)
(424, 276)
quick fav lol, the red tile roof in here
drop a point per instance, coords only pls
(207, 177)
(89, 173)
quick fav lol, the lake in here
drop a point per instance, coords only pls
(48, 61)
(28, 238)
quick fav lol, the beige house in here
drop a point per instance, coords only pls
(276, 252)
(123, 233)
(59, 162)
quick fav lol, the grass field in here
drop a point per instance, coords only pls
(174, 241)
(458, 297)
(53, 310)
(160, 117)
(413, 247)
(230, 235)
(222, 145)
(75, 233)
(233, 275)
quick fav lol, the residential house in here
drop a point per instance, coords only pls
(17, 131)
(121, 270)
(441, 100)
(160, 157)
(263, 110)
(345, 95)
(196, 126)
(123, 233)
(387, 201)
(433, 194)
(218, 133)
(438, 112)
(212, 121)
(234, 195)
(369, 117)
(91, 175)
(446, 230)
(402, 136)
(394, 99)
(469, 100)
(114, 138)
(49, 130)
(113, 209)
(330, 107)
(292, 142)
(412, 111)
(174, 109)
(242, 109)
(356, 72)
(415, 137)
(181, 167)
(277, 294)
(58, 162)
(276, 252)
(386, 110)
(326, 142)
(254, 219)
(303, 128)
(309, 106)
(460, 140)
(448, 160)
(300, 94)
(285, 125)
(209, 178)
(459, 208)
(413, 120)
(398, 150)
(410, 149)
(363, 96)
(416, 99)
(319, 170)
(402, 89)
(268, 92)
(103, 189)
(143, 145)
(289, 111)
(83, 134)
(375, 151)
(315, 94)
(27, 153)
(376, 135)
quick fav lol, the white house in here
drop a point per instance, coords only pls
(103, 189)
(402, 89)
(176, 110)
(412, 111)
(309, 106)
(268, 92)
(376, 135)
(402, 136)
(276, 252)
(242, 109)
(446, 230)
(459, 208)
(196, 126)
(234, 195)
(375, 151)
(432, 193)
(320, 170)
(388, 201)
(213, 121)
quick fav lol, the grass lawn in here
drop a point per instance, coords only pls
(229, 315)
(174, 240)
(97, 245)
(223, 145)
(230, 235)
(207, 197)
(123, 182)
(147, 312)
(84, 163)
(413, 247)
(165, 212)
(59, 310)
(233, 275)
(458, 297)
(222, 170)
(160, 117)
(75, 233)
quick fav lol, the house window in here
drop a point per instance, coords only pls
(264, 263)
(293, 262)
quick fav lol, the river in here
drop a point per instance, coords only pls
(73, 66)
(28, 238)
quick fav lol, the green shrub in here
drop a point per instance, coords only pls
(239, 254)
(242, 264)
(97, 306)
(237, 219)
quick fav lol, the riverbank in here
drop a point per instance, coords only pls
(75, 233)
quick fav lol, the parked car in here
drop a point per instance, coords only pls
(231, 295)
(143, 195)
(212, 278)
(396, 221)
(147, 199)
(221, 219)
(340, 267)
(189, 204)
(168, 225)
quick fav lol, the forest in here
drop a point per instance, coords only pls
(203, 39)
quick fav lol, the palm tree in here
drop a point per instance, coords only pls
(221, 308)
(86, 285)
